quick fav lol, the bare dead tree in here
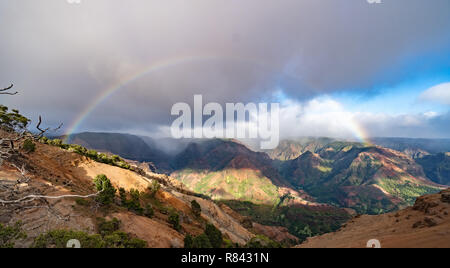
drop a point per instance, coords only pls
(4, 91)
(43, 131)
(29, 198)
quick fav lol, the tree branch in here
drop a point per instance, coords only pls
(43, 131)
(32, 197)
(3, 91)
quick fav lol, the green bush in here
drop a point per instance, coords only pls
(105, 227)
(211, 238)
(82, 202)
(261, 241)
(44, 140)
(106, 189)
(92, 154)
(56, 142)
(188, 241)
(120, 239)
(148, 211)
(10, 234)
(196, 208)
(134, 204)
(214, 235)
(174, 220)
(229, 244)
(123, 197)
(29, 146)
(154, 188)
(201, 241)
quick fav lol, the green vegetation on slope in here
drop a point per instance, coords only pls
(358, 177)
(301, 221)
(113, 160)
(407, 191)
(109, 236)
(10, 234)
(241, 185)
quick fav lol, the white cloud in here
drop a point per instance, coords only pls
(318, 117)
(439, 94)
(327, 117)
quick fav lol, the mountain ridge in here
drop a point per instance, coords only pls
(213, 167)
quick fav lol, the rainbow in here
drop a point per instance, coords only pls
(156, 67)
(358, 131)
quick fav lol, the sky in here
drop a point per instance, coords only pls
(332, 64)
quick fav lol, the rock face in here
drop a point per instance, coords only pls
(424, 225)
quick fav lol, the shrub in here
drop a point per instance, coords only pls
(116, 158)
(154, 188)
(107, 191)
(148, 211)
(120, 239)
(10, 234)
(201, 241)
(174, 219)
(105, 227)
(92, 154)
(188, 241)
(43, 140)
(29, 146)
(196, 208)
(214, 235)
(261, 241)
(229, 244)
(56, 142)
(123, 197)
(82, 202)
(135, 204)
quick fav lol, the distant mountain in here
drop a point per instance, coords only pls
(127, 146)
(225, 169)
(366, 178)
(369, 179)
(437, 167)
(415, 148)
(293, 148)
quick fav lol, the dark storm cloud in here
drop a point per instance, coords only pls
(61, 56)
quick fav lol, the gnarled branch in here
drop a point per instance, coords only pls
(3, 91)
(43, 131)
